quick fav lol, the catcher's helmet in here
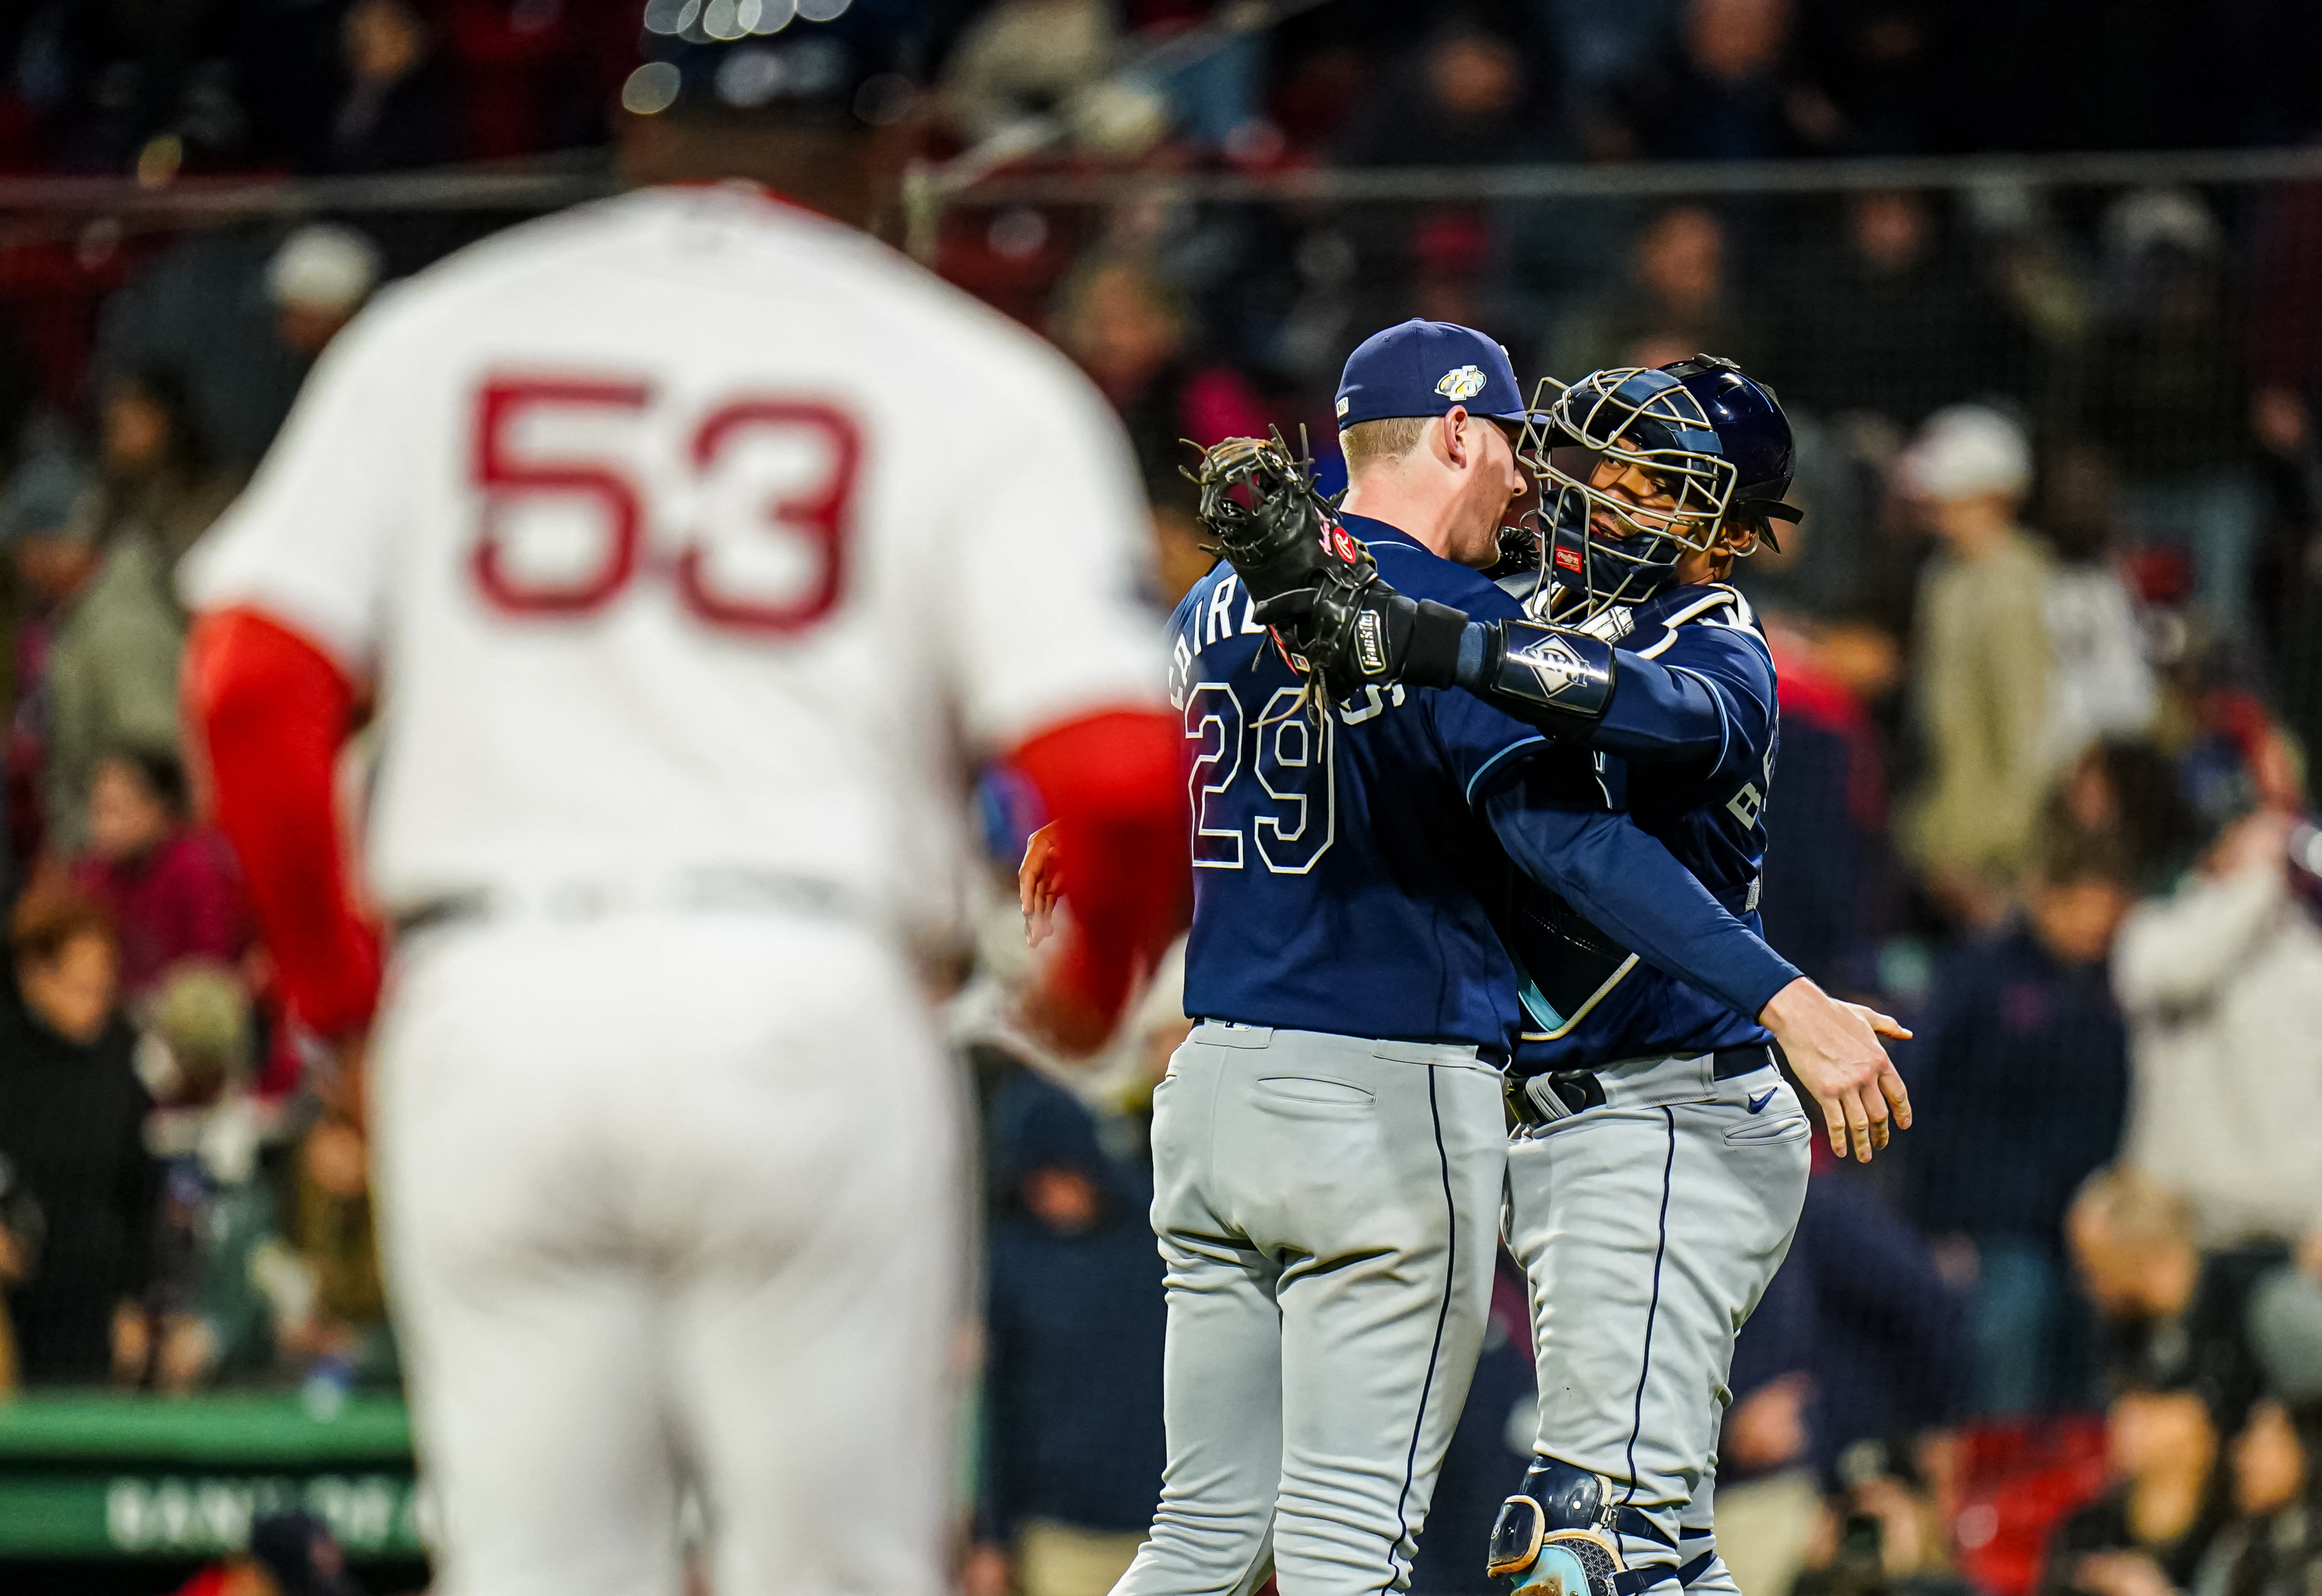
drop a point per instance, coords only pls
(1713, 438)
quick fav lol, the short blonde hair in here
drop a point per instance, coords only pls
(1391, 437)
(2135, 1210)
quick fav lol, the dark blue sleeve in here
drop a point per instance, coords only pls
(999, 1467)
(1478, 742)
(1633, 888)
(1708, 696)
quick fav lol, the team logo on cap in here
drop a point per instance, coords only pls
(1461, 382)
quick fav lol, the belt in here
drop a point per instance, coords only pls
(732, 890)
(1543, 1100)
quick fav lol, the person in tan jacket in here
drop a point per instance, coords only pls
(1983, 666)
(2222, 984)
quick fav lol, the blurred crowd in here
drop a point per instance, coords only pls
(2051, 671)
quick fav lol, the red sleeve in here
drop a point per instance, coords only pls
(1114, 785)
(271, 711)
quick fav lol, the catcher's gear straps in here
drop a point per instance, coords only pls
(1561, 1536)
(1541, 674)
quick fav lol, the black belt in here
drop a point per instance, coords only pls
(1579, 1089)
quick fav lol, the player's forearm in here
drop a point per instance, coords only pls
(271, 711)
(1637, 892)
(1646, 711)
(1113, 784)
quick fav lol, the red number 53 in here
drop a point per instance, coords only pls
(817, 515)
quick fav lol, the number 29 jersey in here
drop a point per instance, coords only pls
(691, 532)
(1343, 881)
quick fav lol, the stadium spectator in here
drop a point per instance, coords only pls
(319, 278)
(2176, 1318)
(2150, 1529)
(1732, 93)
(174, 890)
(2101, 682)
(1026, 57)
(1675, 301)
(2171, 396)
(1983, 664)
(1131, 331)
(1464, 98)
(72, 1116)
(1073, 1436)
(290, 1554)
(111, 676)
(45, 528)
(400, 111)
(156, 477)
(1882, 317)
(1828, 862)
(2273, 1546)
(2222, 984)
(218, 1222)
(2022, 1085)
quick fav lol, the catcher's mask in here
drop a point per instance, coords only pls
(1637, 465)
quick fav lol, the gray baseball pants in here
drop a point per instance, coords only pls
(1648, 1227)
(1327, 1209)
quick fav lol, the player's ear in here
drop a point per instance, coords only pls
(1459, 448)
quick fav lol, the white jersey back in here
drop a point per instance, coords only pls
(689, 531)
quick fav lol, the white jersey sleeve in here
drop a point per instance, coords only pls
(1045, 544)
(310, 538)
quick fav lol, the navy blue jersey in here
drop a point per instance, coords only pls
(1352, 874)
(1686, 748)
(1342, 880)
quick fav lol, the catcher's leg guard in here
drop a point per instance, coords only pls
(1557, 1539)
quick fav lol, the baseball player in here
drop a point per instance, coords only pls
(1329, 1144)
(1660, 1161)
(626, 520)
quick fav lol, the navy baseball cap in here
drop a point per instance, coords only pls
(1423, 368)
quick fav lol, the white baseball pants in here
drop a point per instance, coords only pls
(671, 1198)
(1327, 1209)
(1648, 1227)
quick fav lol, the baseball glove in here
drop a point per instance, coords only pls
(1318, 590)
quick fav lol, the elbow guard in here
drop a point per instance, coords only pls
(1555, 678)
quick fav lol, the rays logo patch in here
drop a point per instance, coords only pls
(1552, 661)
(1461, 382)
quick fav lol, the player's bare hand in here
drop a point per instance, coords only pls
(1037, 884)
(1834, 1048)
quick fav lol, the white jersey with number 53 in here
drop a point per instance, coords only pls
(689, 531)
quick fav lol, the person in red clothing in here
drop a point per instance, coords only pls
(174, 890)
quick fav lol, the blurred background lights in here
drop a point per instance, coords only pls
(748, 78)
(768, 16)
(650, 88)
(821, 11)
(670, 16)
(722, 19)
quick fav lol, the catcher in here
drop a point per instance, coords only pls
(1660, 1160)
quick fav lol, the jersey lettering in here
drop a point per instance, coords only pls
(1290, 811)
(508, 479)
(810, 514)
